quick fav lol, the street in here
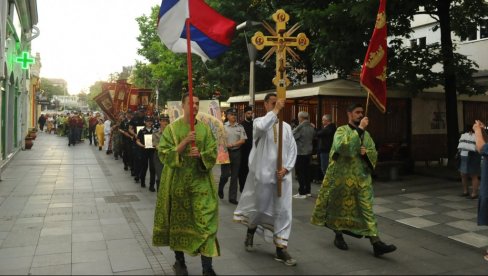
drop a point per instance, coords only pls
(74, 210)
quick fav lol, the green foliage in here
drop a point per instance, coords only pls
(339, 31)
(95, 89)
(50, 89)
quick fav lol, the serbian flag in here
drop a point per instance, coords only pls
(211, 33)
(373, 73)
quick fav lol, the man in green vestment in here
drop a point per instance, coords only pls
(345, 201)
(186, 215)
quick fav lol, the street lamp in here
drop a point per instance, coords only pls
(252, 52)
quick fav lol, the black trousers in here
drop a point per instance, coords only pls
(73, 135)
(147, 160)
(231, 170)
(127, 152)
(136, 159)
(91, 135)
(302, 168)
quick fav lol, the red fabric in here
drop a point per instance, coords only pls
(211, 23)
(92, 122)
(72, 121)
(373, 73)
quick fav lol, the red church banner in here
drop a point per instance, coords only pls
(373, 73)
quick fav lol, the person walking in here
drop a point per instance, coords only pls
(470, 163)
(325, 137)
(72, 122)
(236, 136)
(147, 152)
(41, 121)
(92, 124)
(100, 132)
(259, 206)
(186, 215)
(481, 138)
(158, 165)
(106, 132)
(303, 135)
(247, 124)
(345, 201)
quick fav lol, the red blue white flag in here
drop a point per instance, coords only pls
(211, 33)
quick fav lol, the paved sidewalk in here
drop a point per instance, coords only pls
(74, 210)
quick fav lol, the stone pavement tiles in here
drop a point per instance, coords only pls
(441, 212)
(75, 211)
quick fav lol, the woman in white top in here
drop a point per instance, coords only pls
(470, 165)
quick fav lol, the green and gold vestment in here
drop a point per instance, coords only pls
(345, 200)
(186, 215)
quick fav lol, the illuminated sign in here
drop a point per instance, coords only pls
(25, 60)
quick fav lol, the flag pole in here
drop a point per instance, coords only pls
(190, 73)
(367, 106)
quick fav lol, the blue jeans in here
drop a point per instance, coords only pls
(324, 161)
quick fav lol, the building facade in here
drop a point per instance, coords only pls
(17, 29)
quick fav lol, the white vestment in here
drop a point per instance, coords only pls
(106, 131)
(259, 204)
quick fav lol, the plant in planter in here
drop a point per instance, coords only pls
(32, 133)
(28, 142)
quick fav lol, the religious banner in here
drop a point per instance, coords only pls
(373, 73)
(104, 100)
(139, 97)
(121, 96)
(110, 87)
(209, 113)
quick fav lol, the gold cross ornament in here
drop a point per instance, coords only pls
(280, 42)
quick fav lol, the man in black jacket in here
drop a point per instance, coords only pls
(326, 137)
(246, 147)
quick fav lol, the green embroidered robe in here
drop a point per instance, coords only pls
(186, 215)
(345, 200)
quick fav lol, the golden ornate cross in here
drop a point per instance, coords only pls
(280, 40)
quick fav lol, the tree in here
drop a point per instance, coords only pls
(95, 89)
(339, 31)
(50, 89)
(341, 49)
(228, 74)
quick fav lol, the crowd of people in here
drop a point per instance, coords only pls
(186, 215)
(180, 158)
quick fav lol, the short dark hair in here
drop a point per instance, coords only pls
(269, 95)
(186, 95)
(353, 106)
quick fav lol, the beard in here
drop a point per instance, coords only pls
(357, 122)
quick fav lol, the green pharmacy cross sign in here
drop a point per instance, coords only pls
(25, 60)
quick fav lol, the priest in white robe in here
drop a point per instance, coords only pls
(259, 207)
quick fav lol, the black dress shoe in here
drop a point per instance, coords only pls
(381, 248)
(209, 272)
(125, 168)
(180, 268)
(143, 185)
(151, 189)
(136, 179)
(233, 201)
(221, 194)
(340, 243)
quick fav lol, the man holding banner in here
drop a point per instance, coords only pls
(345, 201)
(188, 148)
(186, 215)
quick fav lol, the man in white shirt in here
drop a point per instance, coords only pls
(259, 207)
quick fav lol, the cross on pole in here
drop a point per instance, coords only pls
(280, 42)
(25, 60)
